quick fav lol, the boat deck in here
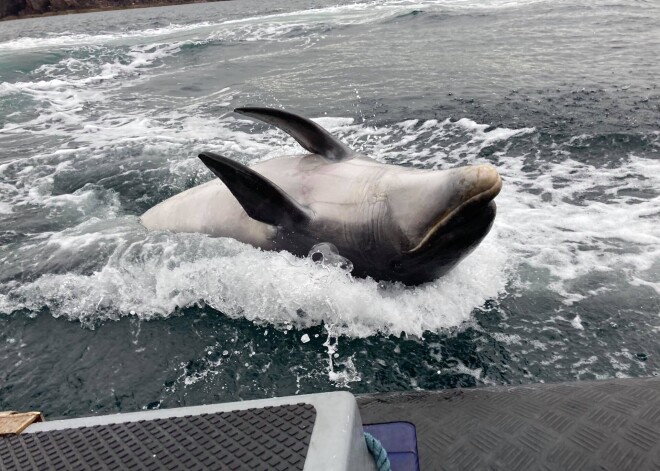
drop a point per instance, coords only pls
(591, 425)
(597, 425)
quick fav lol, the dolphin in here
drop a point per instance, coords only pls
(393, 223)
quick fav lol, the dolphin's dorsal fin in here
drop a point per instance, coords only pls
(310, 135)
(261, 199)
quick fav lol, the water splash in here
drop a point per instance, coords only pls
(327, 255)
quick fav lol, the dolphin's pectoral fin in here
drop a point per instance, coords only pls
(310, 135)
(260, 198)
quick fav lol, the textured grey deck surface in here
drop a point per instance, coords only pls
(270, 438)
(602, 425)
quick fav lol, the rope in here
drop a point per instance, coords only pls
(378, 452)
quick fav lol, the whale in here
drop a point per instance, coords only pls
(394, 223)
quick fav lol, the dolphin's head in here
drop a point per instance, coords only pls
(441, 216)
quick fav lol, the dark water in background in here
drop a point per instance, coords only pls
(101, 116)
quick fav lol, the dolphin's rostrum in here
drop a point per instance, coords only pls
(394, 223)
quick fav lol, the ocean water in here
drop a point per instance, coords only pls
(102, 115)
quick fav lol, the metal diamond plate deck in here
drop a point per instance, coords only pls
(600, 425)
(269, 438)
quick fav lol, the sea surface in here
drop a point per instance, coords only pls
(102, 116)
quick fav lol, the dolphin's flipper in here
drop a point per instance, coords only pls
(260, 198)
(310, 135)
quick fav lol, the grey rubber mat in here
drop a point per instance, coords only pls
(601, 425)
(269, 438)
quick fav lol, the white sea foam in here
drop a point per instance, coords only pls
(5, 208)
(551, 232)
(158, 273)
(80, 39)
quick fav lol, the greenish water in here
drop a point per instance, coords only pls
(102, 115)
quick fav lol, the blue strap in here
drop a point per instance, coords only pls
(378, 452)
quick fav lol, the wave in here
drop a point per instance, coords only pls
(158, 274)
(68, 39)
(268, 27)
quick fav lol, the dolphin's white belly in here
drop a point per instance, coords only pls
(211, 209)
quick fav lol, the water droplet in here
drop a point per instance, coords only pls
(327, 255)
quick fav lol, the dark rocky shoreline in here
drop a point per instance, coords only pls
(16, 9)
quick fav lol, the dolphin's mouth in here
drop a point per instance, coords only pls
(474, 205)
